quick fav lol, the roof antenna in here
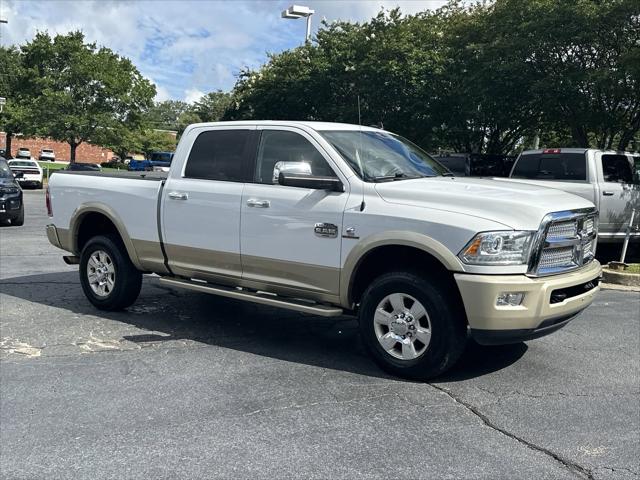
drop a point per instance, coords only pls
(359, 119)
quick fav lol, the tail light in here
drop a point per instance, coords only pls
(551, 150)
(47, 198)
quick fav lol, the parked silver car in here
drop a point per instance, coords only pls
(47, 155)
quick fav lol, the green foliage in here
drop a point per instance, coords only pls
(81, 92)
(14, 117)
(212, 106)
(165, 115)
(482, 78)
(141, 140)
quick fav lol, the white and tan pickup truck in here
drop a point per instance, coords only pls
(334, 219)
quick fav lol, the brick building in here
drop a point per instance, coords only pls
(85, 152)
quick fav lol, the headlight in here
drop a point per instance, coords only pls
(498, 248)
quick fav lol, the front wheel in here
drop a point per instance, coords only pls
(411, 325)
(109, 280)
(18, 221)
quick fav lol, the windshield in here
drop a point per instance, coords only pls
(161, 157)
(5, 171)
(380, 156)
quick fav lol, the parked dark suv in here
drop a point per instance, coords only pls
(11, 205)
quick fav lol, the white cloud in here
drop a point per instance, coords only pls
(162, 94)
(192, 95)
(186, 47)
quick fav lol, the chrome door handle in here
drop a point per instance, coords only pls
(178, 196)
(252, 202)
(607, 194)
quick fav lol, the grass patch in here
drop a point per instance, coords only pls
(52, 166)
(633, 268)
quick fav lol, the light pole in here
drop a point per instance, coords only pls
(298, 11)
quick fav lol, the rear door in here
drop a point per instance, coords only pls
(619, 191)
(201, 205)
(291, 236)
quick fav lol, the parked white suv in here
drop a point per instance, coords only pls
(23, 153)
(335, 219)
(47, 155)
(32, 174)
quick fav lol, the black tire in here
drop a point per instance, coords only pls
(446, 315)
(19, 220)
(127, 282)
(39, 186)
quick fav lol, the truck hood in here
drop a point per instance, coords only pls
(517, 206)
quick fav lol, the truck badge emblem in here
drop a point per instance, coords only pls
(328, 230)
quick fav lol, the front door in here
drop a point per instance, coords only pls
(618, 195)
(201, 205)
(291, 236)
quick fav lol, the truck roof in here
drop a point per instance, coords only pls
(577, 150)
(293, 123)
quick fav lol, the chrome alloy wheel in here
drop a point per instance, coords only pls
(101, 273)
(402, 326)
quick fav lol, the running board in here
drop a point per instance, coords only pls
(261, 298)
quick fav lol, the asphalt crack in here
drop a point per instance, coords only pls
(575, 468)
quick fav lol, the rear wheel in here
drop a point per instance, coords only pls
(109, 280)
(411, 325)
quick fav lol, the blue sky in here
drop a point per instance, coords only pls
(190, 47)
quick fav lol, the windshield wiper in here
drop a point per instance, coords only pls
(397, 176)
(448, 174)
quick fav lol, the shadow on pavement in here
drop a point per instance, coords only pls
(168, 314)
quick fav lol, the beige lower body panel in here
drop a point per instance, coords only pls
(480, 292)
(150, 255)
(291, 279)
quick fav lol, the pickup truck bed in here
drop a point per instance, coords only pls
(131, 197)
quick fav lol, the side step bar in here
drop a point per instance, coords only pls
(261, 298)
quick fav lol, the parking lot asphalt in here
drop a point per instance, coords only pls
(187, 385)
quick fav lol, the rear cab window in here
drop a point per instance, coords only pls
(568, 167)
(219, 155)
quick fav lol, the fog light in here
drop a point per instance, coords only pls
(510, 299)
(13, 204)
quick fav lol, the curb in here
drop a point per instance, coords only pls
(620, 278)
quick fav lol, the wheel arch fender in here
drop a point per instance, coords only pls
(368, 245)
(80, 214)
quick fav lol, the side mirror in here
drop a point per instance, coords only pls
(332, 184)
(300, 168)
(18, 175)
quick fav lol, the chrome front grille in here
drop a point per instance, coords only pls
(565, 241)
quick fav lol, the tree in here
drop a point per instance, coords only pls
(165, 115)
(480, 78)
(211, 107)
(580, 61)
(156, 141)
(84, 93)
(13, 118)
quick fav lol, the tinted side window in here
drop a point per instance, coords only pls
(552, 166)
(218, 155)
(283, 146)
(617, 168)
